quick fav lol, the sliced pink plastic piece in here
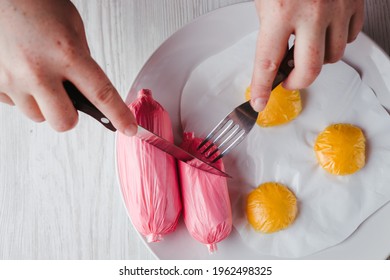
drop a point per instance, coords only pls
(206, 202)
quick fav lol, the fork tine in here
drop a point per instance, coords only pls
(226, 140)
(215, 129)
(226, 129)
(223, 134)
(229, 126)
(219, 136)
(231, 146)
(212, 144)
(227, 132)
(235, 129)
(238, 122)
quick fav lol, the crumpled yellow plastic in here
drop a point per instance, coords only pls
(283, 106)
(271, 207)
(340, 149)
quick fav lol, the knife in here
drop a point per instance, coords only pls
(82, 104)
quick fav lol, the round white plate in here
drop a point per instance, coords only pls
(166, 73)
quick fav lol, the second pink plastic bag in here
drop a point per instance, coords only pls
(206, 202)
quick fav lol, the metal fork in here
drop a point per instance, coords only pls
(230, 131)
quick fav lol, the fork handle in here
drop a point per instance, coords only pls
(285, 68)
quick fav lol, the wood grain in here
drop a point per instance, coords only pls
(59, 196)
(377, 22)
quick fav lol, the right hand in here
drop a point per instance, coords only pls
(322, 30)
(43, 44)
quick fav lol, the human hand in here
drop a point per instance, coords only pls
(322, 29)
(43, 44)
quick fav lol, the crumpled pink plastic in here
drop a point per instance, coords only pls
(205, 197)
(148, 176)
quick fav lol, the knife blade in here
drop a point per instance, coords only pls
(82, 104)
(178, 153)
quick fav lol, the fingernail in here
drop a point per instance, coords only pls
(131, 130)
(259, 104)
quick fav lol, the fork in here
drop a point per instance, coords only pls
(230, 131)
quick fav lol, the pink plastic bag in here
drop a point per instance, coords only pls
(206, 202)
(148, 176)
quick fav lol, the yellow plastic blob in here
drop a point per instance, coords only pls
(340, 149)
(283, 106)
(271, 207)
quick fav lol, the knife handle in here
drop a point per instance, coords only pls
(81, 103)
(285, 68)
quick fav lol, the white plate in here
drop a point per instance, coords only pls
(166, 73)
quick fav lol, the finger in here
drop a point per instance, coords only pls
(270, 50)
(356, 24)
(4, 98)
(308, 57)
(29, 107)
(336, 40)
(56, 106)
(90, 79)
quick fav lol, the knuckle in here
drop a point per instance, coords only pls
(32, 69)
(316, 17)
(68, 48)
(105, 94)
(267, 64)
(24, 69)
(38, 78)
(31, 62)
(316, 11)
(70, 54)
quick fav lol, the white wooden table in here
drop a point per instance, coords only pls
(59, 197)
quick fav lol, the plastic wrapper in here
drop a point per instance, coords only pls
(282, 107)
(271, 207)
(206, 203)
(148, 176)
(340, 149)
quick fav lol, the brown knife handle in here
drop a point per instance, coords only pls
(285, 68)
(82, 104)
